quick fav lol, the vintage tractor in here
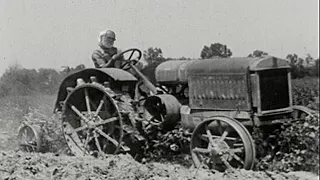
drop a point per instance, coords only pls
(219, 101)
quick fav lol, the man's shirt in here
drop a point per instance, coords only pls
(103, 55)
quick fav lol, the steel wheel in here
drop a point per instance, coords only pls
(29, 138)
(92, 123)
(222, 143)
(301, 113)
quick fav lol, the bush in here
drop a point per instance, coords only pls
(305, 92)
(295, 145)
(18, 81)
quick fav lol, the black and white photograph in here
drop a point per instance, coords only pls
(159, 90)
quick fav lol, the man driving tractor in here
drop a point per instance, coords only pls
(109, 56)
(106, 55)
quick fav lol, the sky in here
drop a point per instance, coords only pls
(50, 34)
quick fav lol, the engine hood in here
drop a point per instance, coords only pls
(178, 71)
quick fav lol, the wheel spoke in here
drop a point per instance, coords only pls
(225, 162)
(27, 138)
(87, 100)
(201, 150)
(107, 137)
(97, 143)
(238, 150)
(99, 107)
(24, 136)
(236, 158)
(209, 136)
(75, 139)
(237, 144)
(199, 159)
(205, 137)
(106, 121)
(79, 114)
(224, 135)
(81, 128)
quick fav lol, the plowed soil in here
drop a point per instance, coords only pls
(17, 165)
(36, 166)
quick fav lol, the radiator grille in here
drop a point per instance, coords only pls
(274, 89)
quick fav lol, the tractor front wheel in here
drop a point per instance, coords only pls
(222, 143)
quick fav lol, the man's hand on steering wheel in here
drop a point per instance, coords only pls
(126, 65)
(127, 61)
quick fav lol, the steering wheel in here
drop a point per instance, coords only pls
(126, 65)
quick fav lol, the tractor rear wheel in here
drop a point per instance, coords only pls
(222, 143)
(92, 123)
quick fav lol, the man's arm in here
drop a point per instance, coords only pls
(115, 60)
(108, 63)
(97, 58)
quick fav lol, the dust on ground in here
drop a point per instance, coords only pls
(12, 110)
(16, 165)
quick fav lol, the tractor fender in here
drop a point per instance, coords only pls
(101, 74)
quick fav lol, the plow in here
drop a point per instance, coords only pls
(218, 102)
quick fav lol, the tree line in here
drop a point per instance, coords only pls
(17, 80)
(301, 67)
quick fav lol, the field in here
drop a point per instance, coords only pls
(306, 92)
(19, 165)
